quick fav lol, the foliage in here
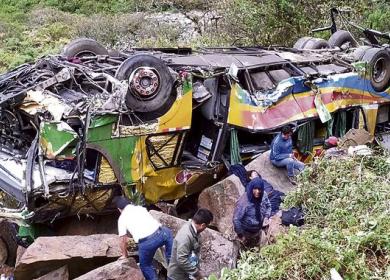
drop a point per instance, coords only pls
(347, 215)
(32, 28)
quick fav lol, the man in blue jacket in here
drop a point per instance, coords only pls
(251, 210)
(282, 156)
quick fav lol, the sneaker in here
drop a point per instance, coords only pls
(292, 180)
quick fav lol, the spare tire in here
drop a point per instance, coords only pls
(316, 44)
(150, 83)
(340, 38)
(301, 42)
(83, 47)
(8, 244)
(379, 67)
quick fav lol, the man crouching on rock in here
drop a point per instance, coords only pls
(184, 263)
(146, 231)
(251, 210)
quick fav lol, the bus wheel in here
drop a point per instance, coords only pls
(300, 43)
(378, 61)
(150, 83)
(83, 47)
(341, 38)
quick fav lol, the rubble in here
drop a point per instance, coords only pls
(119, 270)
(216, 251)
(80, 253)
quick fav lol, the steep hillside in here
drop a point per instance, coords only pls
(347, 227)
(32, 28)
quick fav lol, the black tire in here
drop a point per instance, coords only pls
(8, 238)
(359, 52)
(340, 38)
(316, 44)
(139, 98)
(301, 42)
(83, 47)
(378, 68)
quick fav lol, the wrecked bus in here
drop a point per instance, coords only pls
(83, 126)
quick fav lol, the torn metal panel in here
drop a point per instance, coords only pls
(41, 101)
(55, 137)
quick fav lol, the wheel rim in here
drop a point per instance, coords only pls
(3, 252)
(144, 83)
(379, 70)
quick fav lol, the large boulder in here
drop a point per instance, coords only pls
(276, 176)
(221, 200)
(216, 251)
(222, 197)
(80, 253)
(123, 269)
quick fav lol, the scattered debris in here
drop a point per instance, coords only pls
(355, 137)
(360, 150)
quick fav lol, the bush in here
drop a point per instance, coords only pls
(347, 226)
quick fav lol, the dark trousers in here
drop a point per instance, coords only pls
(148, 246)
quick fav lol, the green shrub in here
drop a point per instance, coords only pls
(347, 225)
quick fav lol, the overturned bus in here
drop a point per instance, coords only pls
(83, 126)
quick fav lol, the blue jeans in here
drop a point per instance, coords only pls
(291, 164)
(148, 246)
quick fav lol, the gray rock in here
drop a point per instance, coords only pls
(59, 274)
(276, 176)
(119, 270)
(221, 200)
(19, 253)
(216, 251)
(80, 253)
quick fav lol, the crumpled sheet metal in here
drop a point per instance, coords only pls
(55, 137)
(42, 101)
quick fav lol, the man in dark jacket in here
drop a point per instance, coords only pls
(281, 153)
(184, 262)
(251, 210)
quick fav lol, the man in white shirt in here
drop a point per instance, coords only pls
(146, 231)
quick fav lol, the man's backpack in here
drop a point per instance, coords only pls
(293, 216)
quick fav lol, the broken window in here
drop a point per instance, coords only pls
(261, 81)
(268, 79)
(165, 150)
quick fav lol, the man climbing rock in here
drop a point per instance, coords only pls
(282, 156)
(185, 253)
(146, 231)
